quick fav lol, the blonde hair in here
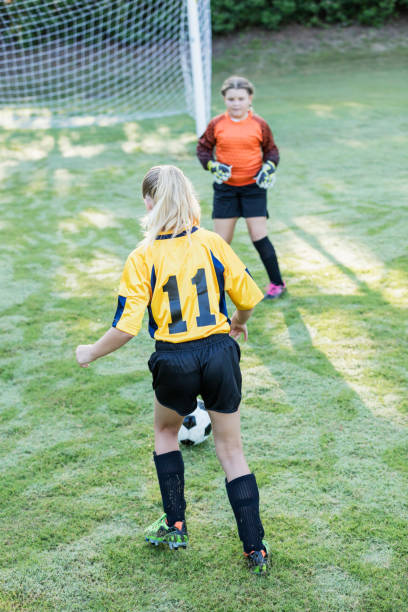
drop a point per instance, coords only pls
(237, 82)
(175, 206)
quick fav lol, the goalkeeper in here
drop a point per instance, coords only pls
(244, 168)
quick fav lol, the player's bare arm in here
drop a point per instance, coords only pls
(112, 340)
(238, 323)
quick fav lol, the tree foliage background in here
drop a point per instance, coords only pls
(113, 18)
(232, 15)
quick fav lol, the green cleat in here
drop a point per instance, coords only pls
(258, 560)
(160, 533)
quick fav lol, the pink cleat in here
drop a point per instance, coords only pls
(274, 291)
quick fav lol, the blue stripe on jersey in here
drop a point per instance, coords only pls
(166, 236)
(152, 322)
(119, 310)
(219, 272)
(153, 279)
(246, 270)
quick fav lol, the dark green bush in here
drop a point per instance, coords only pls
(17, 17)
(233, 15)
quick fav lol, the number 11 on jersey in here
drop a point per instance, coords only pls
(178, 325)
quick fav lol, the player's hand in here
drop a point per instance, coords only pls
(84, 355)
(238, 328)
(266, 176)
(221, 172)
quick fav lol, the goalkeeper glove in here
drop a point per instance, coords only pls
(221, 172)
(266, 176)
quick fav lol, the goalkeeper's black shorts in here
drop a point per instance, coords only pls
(243, 201)
(208, 367)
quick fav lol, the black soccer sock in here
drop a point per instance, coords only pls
(170, 472)
(269, 259)
(243, 495)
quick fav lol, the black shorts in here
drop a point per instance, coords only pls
(244, 201)
(208, 367)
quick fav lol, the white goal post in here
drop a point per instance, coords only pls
(79, 62)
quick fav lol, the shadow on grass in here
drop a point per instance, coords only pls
(376, 316)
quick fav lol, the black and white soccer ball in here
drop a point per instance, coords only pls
(196, 426)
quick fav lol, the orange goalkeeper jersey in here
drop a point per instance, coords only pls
(244, 145)
(182, 282)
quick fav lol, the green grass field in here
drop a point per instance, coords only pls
(325, 408)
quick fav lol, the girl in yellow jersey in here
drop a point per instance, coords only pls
(180, 273)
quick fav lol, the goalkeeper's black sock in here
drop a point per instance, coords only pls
(170, 472)
(243, 495)
(268, 256)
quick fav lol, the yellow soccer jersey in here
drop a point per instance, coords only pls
(182, 281)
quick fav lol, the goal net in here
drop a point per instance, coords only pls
(73, 62)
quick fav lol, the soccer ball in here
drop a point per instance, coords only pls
(196, 426)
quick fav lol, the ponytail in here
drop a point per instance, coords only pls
(175, 206)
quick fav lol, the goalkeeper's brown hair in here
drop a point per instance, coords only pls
(175, 205)
(237, 82)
